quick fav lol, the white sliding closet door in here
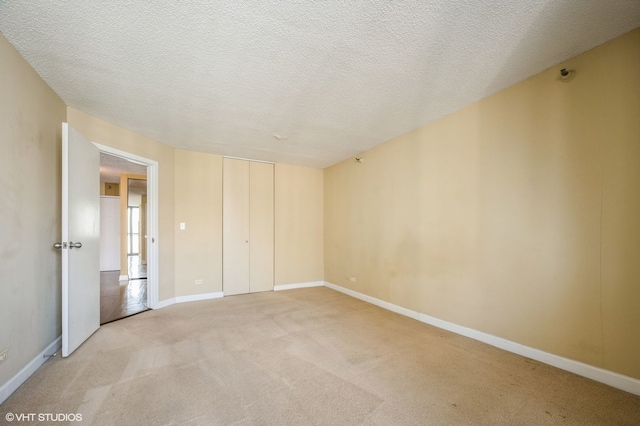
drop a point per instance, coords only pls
(261, 227)
(248, 227)
(235, 227)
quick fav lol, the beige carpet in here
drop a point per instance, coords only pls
(301, 357)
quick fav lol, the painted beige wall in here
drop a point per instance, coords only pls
(616, 124)
(516, 216)
(298, 224)
(31, 117)
(198, 203)
(112, 189)
(105, 133)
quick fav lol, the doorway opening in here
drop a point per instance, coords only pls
(128, 253)
(136, 227)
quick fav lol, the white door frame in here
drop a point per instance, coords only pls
(152, 218)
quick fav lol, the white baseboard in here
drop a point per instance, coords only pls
(298, 285)
(191, 298)
(164, 303)
(616, 380)
(14, 383)
(123, 278)
(196, 297)
(386, 305)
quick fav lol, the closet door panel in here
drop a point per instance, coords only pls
(235, 227)
(261, 227)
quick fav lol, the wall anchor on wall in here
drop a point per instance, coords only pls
(360, 159)
(566, 75)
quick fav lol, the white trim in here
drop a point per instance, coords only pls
(14, 383)
(616, 380)
(196, 297)
(153, 241)
(164, 303)
(153, 225)
(191, 298)
(64, 291)
(298, 285)
(123, 278)
(610, 378)
(381, 303)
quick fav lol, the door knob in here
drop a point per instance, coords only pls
(58, 245)
(74, 245)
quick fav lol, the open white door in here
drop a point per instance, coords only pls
(80, 239)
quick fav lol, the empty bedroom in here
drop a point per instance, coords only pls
(346, 213)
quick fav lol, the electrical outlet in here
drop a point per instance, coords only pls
(4, 355)
(183, 226)
(352, 279)
(198, 282)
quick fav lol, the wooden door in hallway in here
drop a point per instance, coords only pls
(248, 227)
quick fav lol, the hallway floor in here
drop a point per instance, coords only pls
(137, 269)
(119, 299)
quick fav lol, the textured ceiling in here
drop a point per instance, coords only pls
(305, 82)
(111, 167)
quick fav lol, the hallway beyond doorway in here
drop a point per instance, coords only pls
(136, 269)
(120, 299)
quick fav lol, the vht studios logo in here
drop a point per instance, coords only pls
(43, 417)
